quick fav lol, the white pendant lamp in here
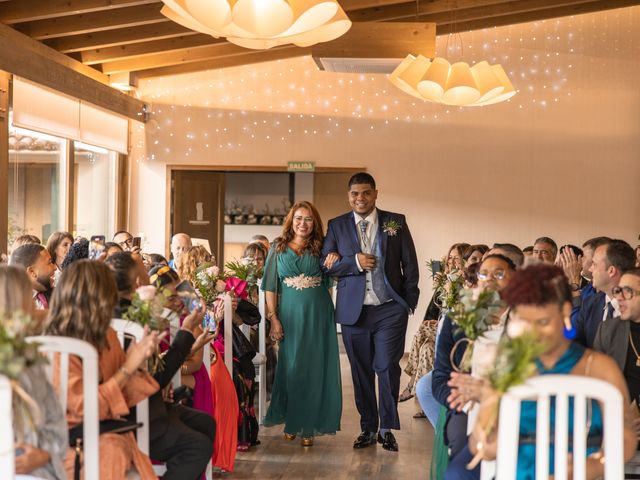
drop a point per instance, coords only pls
(262, 24)
(459, 84)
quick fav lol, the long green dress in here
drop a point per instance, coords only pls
(307, 391)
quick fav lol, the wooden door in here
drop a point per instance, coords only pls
(197, 207)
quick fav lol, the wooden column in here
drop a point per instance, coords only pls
(5, 81)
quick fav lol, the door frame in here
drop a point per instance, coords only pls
(228, 169)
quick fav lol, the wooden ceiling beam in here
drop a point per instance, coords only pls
(432, 6)
(135, 50)
(34, 61)
(276, 53)
(93, 22)
(30, 10)
(188, 55)
(532, 16)
(121, 36)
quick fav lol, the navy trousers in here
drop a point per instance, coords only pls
(375, 345)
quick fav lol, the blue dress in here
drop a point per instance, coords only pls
(527, 448)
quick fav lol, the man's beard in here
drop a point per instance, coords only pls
(45, 282)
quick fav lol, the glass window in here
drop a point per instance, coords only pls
(95, 190)
(37, 189)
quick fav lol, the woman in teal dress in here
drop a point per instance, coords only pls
(307, 392)
(540, 299)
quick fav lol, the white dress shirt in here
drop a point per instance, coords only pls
(616, 308)
(370, 298)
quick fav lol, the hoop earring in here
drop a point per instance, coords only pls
(568, 330)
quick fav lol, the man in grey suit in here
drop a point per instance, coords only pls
(619, 337)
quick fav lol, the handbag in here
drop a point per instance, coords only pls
(76, 437)
(248, 312)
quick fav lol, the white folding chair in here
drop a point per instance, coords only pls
(71, 346)
(562, 387)
(124, 329)
(7, 460)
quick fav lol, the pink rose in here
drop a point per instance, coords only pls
(146, 293)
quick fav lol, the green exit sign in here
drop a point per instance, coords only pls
(301, 166)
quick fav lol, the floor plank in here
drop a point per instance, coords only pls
(333, 456)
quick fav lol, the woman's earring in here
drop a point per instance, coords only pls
(568, 330)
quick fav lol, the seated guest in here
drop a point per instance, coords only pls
(422, 351)
(129, 274)
(58, 246)
(180, 436)
(112, 247)
(190, 259)
(78, 251)
(619, 337)
(45, 443)
(545, 250)
(609, 261)
(474, 254)
(494, 273)
(82, 307)
(24, 240)
(509, 250)
(540, 298)
(262, 240)
(256, 252)
(179, 243)
(125, 240)
(194, 372)
(35, 259)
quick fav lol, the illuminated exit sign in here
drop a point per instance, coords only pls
(301, 166)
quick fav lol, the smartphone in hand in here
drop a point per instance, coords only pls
(135, 242)
(96, 246)
(436, 267)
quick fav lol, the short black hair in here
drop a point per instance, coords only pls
(119, 232)
(499, 256)
(79, 250)
(361, 178)
(595, 242)
(109, 245)
(26, 255)
(621, 255)
(121, 264)
(527, 249)
(632, 271)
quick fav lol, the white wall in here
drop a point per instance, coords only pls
(561, 159)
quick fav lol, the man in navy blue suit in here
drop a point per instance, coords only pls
(377, 272)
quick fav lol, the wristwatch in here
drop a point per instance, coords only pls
(575, 287)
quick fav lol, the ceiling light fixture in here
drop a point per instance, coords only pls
(262, 24)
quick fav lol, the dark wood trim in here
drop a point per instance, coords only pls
(70, 185)
(256, 168)
(30, 59)
(5, 90)
(122, 193)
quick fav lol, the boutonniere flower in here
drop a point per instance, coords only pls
(391, 228)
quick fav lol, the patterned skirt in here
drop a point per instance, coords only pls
(423, 349)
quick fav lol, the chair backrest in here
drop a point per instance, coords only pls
(562, 387)
(7, 465)
(124, 329)
(66, 346)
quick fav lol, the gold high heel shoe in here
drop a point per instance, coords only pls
(307, 442)
(289, 437)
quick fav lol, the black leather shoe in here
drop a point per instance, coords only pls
(364, 440)
(388, 442)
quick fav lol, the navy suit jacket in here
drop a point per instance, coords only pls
(398, 259)
(590, 318)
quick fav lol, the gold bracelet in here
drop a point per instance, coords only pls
(184, 369)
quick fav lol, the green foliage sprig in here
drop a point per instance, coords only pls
(475, 311)
(16, 354)
(515, 361)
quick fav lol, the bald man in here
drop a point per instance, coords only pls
(179, 243)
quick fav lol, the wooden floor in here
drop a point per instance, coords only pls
(334, 457)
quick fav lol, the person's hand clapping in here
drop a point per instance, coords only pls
(571, 264)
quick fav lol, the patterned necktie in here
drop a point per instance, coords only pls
(610, 311)
(363, 233)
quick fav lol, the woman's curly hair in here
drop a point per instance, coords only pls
(537, 285)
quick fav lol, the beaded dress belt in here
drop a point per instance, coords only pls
(302, 281)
